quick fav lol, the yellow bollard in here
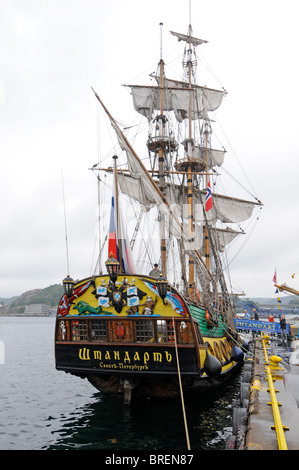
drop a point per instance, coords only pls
(256, 385)
(273, 363)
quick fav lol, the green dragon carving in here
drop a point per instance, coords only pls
(84, 308)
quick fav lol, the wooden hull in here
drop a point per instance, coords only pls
(139, 353)
(159, 387)
(141, 371)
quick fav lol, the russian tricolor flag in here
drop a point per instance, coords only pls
(116, 236)
(209, 200)
(112, 240)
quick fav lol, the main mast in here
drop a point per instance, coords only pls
(191, 163)
(161, 144)
(189, 65)
(161, 123)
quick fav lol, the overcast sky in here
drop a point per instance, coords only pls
(53, 51)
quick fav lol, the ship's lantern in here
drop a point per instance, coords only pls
(162, 285)
(68, 284)
(112, 267)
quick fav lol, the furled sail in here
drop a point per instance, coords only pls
(147, 99)
(222, 238)
(134, 187)
(231, 210)
(214, 157)
(188, 38)
(225, 209)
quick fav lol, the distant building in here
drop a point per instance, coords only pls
(37, 309)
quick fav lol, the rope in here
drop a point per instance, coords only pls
(180, 383)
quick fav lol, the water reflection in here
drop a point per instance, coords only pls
(105, 423)
(42, 408)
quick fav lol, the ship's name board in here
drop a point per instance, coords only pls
(255, 325)
(125, 360)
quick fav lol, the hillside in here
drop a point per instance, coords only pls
(286, 300)
(52, 294)
(49, 296)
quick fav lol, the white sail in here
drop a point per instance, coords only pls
(189, 39)
(147, 99)
(222, 238)
(231, 210)
(214, 157)
(133, 187)
(225, 209)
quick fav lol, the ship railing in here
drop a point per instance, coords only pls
(128, 329)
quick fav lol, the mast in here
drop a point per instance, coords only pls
(189, 176)
(196, 156)
(189, 163)
(161, 122)
(207, 243)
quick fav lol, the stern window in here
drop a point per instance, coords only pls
(165, 331)
(98, 330)
(144, 330)
(79, 330)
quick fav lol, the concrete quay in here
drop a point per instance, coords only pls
(261, 434)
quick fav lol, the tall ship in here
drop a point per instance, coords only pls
(156, 319)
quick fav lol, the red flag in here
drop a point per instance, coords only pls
(274, 277)
(209, 200)
(113, 229)
(113, 240)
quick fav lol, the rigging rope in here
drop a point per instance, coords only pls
(244, 243)
(180, 382)
(226, 328)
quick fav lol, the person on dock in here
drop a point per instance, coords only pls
(270, 318)
(246, 317)
(256, 318)
(283, 323)
(283, 327)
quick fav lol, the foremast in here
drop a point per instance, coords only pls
(161, 121)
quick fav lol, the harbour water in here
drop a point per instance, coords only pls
(43, 409)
